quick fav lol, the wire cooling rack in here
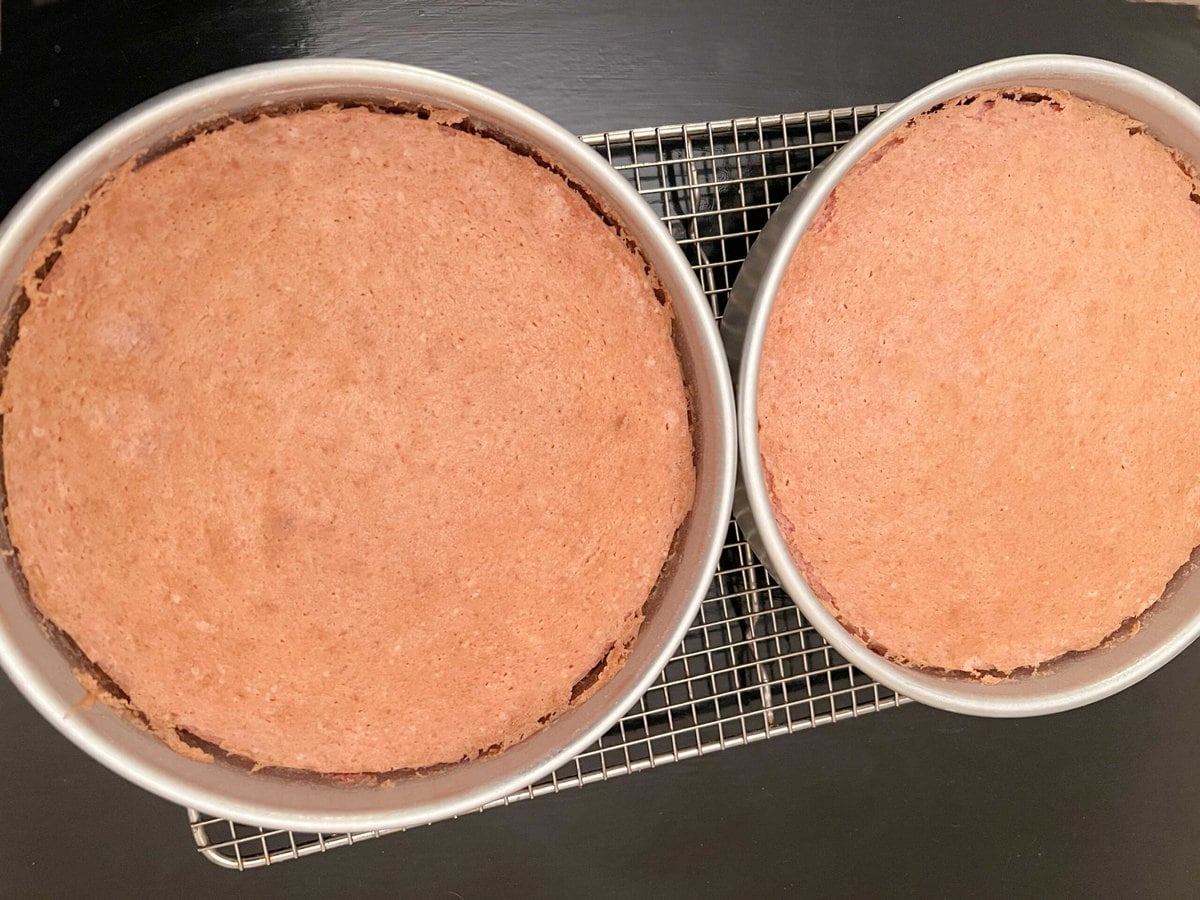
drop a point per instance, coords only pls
(750, 667)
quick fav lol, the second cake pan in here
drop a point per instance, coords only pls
(1078, 679)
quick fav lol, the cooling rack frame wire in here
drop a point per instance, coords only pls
(750, 667)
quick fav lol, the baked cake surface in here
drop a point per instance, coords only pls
(345, 441)
(980, 391)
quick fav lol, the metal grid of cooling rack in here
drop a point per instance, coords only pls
(750, 667)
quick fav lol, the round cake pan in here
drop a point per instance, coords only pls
(1077, 679)
(44, 674)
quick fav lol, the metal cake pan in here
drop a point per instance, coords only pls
(44, 674)
(1072, 681)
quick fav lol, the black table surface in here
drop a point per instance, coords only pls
(1104, 800)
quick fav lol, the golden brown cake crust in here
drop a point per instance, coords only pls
(347, 441)
(980, 388)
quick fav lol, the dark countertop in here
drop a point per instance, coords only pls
(1104, 800)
